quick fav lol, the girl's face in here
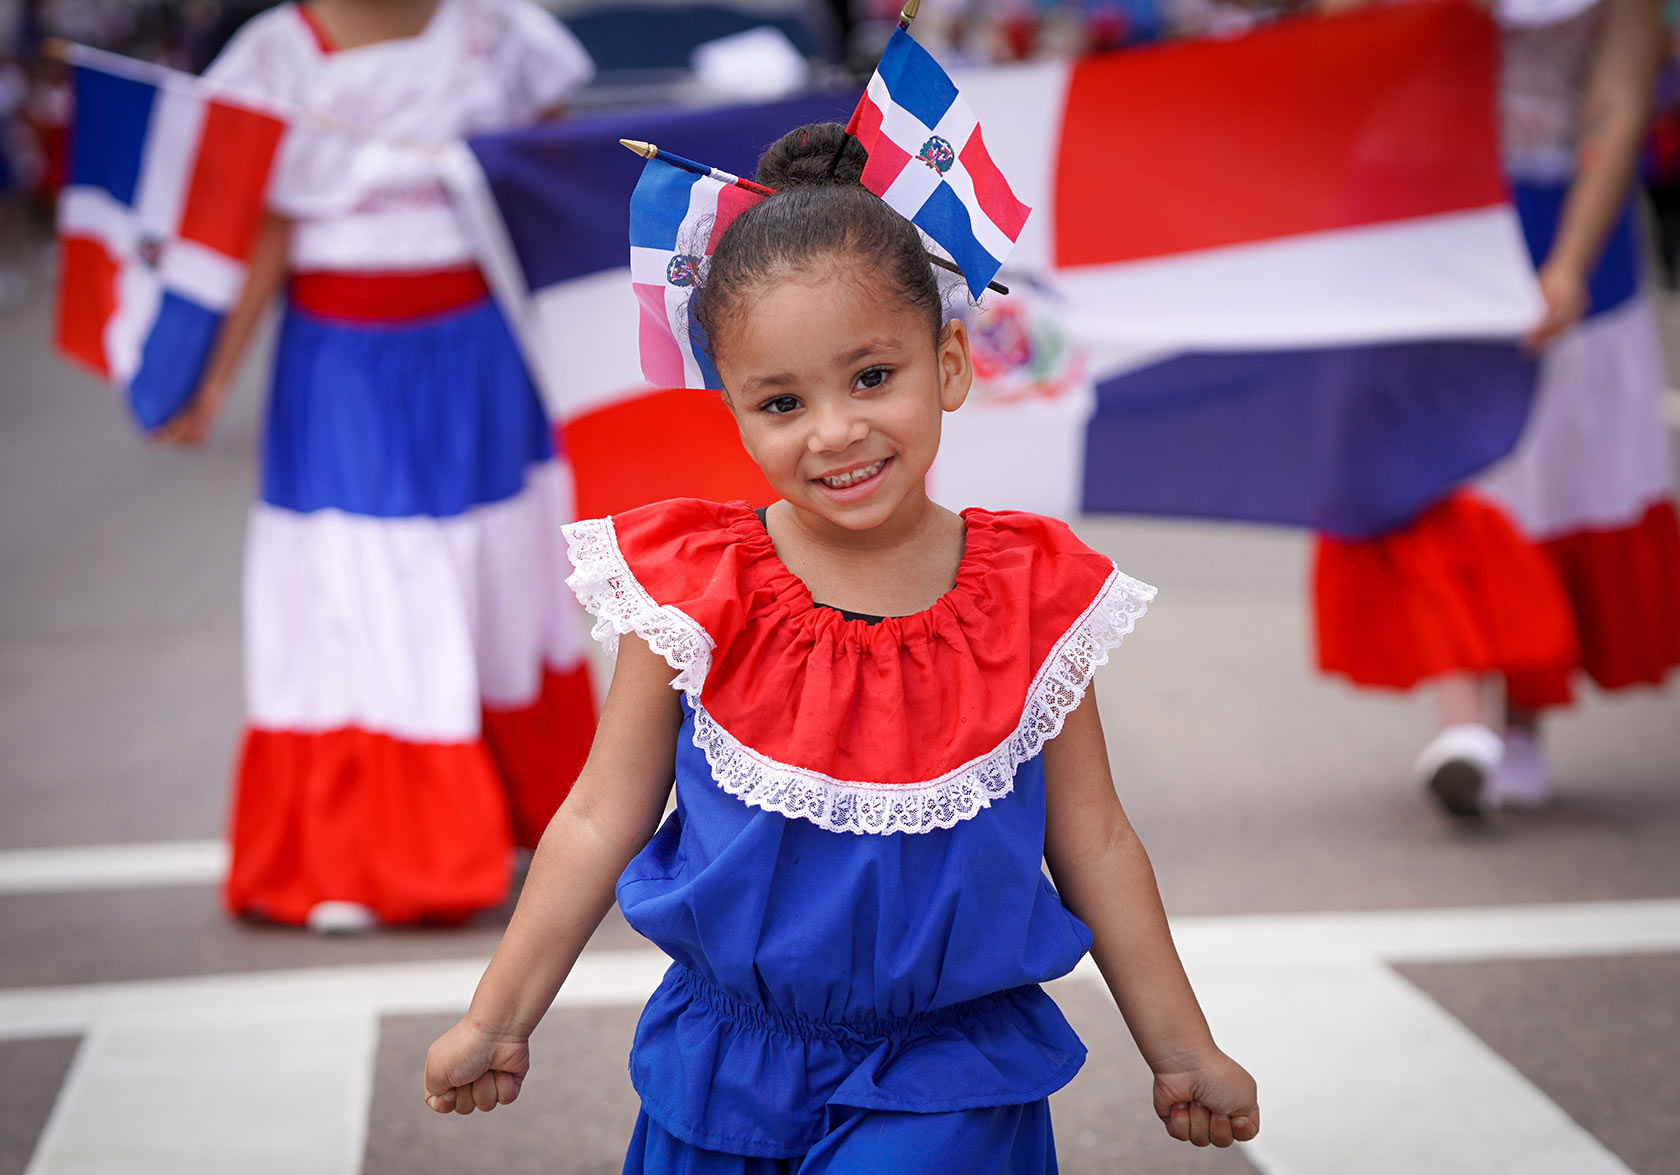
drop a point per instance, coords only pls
(837, 390)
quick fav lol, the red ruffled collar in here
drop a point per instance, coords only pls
(915, 723)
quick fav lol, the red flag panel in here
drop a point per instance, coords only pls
(87, 299)
(677, 443)
(1311, 125)
(225, 198)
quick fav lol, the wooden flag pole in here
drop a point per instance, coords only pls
(649, 151)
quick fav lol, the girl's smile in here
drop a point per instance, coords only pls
(853, 483)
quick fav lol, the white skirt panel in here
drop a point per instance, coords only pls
(1595, 454)
(407, 626)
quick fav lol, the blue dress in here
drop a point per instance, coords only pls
(838, 997)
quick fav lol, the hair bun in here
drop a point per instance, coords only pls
(805, 156)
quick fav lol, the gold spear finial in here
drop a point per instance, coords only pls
(909, 13)
(648, 150)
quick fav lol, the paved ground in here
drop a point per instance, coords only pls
(1413, 997)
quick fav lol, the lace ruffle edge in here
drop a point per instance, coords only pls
(874, 808)
(607, 588)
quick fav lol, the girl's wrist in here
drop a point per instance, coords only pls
(1187, 1056)
(497, 1025)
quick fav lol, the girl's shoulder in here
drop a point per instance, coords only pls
(694, 553)
(269, 55)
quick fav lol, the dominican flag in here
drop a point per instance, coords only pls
(1277, 278)
(155, 224)
(676, 218)
(928, 161)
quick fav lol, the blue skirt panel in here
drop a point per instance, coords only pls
(817, 969)
(424, 417)
(1615, 278)
(1000, 1140)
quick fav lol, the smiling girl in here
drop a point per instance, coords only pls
(879, 718)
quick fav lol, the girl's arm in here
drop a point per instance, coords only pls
(191, 425)
(611, 812)
(1613, 114)
(1104, 877)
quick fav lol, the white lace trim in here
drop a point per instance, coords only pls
(853, 806)
(604, 583)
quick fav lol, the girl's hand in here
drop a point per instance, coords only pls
(468, 1068)
(190, 427)
(1206, 1099)
(1565, 292)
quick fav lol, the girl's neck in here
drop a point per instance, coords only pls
(896, 569)
(352, 24)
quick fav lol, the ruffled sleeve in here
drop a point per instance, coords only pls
(662, 572)
(541, 61)
(915, 723)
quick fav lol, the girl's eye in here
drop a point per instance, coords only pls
(780, 405)
(873, 377)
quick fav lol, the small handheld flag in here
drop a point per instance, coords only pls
(928, 161)
(156, 221)
(677, 213)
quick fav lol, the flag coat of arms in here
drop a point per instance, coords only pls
(927, 160)
(156, 220)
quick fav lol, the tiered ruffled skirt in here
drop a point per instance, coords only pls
(416, 693)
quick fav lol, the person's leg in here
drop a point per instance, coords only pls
(995, 1140)
(1458, 763)
(654, 1150)
(1524, 778)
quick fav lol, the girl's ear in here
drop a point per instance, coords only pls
(956, 372)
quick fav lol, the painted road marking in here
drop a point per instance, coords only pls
(89, 867)
(264, 1093)
(1308, 1001)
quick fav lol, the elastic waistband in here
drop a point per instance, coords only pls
(859, 1029)
(387, 295)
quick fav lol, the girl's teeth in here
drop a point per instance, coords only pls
(845, 479)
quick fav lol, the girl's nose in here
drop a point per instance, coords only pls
(836, 429)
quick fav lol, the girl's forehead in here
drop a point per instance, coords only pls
(820, 319)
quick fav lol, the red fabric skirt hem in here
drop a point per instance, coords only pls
(415, 831)
(1459, 590)
(1623, 586)
(418, 831)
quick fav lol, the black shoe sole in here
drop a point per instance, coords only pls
(1457, 786)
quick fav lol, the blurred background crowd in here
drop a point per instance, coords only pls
(646, 53)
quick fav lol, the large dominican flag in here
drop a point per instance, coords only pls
(1288, 264)
(155, 223)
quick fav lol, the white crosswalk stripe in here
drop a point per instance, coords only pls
(1308, 1001)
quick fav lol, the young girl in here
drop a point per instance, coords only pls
(410, 688)
(879, 718)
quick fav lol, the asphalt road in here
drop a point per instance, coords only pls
(1412, 996)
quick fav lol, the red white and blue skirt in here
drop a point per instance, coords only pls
(1565, 557)
(417, 698)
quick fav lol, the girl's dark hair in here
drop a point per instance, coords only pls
(814, 214)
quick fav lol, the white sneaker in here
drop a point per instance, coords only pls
(1523, 778)
(341, 918)
(1457, 765)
